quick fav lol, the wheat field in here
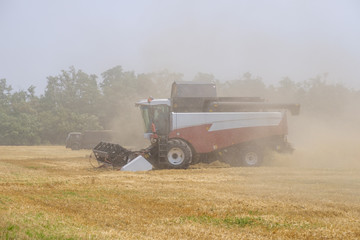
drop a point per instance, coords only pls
(49, 192)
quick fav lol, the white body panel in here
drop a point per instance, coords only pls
(226, 120)
(137, 164)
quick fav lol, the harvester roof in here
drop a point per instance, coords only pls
(151, 102)
(184, 89)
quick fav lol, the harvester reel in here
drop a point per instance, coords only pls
(113, 154)
(95, 163)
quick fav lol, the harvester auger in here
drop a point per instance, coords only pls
(195, 125)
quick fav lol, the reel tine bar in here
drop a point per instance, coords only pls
(111, 153)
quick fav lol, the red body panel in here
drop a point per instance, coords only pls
(204, 141)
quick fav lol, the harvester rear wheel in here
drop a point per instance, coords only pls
(251, 156)
(179, 154)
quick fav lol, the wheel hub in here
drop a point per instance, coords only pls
(175, 156)
(251, 158)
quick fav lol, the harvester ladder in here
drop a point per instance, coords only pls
(163, 147)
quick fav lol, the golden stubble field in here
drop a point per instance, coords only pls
(49, 192)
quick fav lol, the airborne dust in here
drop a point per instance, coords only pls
(323, 143)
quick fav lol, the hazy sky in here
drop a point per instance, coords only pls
(271, 39)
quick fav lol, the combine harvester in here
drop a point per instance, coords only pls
(195, 125)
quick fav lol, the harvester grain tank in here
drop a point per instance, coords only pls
(195, 125)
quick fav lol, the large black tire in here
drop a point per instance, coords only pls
(251, 156)
(179, 154)
(75, 146)
(231, 157)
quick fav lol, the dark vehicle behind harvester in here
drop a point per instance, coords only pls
(88, 139)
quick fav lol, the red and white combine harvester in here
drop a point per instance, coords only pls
(195, 125)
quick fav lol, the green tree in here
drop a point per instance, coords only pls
(246, 86)
(119, 92)
(204, 77)
(323, 98)
(19, 122)
(74, 90)
(57, 123)
(71, 103)
(5, 92)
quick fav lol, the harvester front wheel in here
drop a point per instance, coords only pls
(251, 156)
(179, 154)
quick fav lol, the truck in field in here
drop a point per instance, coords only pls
(194, 125)
(88, 139)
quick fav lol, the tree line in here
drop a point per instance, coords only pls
(77, 101)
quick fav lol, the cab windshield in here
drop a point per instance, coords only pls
(157, 114)
(146, 117)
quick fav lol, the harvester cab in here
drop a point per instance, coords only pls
(156, 116)
(195, 125)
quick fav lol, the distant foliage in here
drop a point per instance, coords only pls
(77, 101)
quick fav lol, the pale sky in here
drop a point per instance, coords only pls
(271, 39)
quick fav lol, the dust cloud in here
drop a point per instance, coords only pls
(130, 126)
(326, 143)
